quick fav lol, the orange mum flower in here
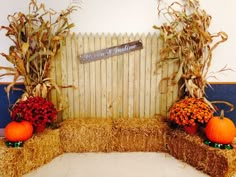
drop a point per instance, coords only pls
(190, 111)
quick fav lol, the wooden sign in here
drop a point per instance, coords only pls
(112, 51)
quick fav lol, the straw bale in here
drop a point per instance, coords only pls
(86, 134)
(135, 134)
(41, 149)
(192, 150)
(9, 160)
(37, 151)
(120, 135)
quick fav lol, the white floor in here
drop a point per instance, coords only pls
(115, 165)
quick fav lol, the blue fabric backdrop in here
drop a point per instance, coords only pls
(224, 92)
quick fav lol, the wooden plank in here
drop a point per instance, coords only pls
(75, 81)
(87, 82)
(158, 73)
(137, 61)
(113, 103)
(69, 90)
(125, 83)
(104, 75)
(120, 72)
(64, 82)
(52, 75)
(131, 81)
(58, 76)
(81, 77)
(142, 78)
(92, 78)
(148, 57)
(109, 76)
(112, 51)
(164, 87)
(97, 79)
(153, 93)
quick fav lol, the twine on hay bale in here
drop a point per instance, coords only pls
(37, 151)
(135, 134)
(86, 135)
(192, 150)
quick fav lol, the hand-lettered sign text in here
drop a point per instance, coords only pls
(112, 51)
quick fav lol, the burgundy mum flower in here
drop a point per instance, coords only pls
(37, 110)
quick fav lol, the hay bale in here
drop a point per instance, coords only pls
(107, 135)
(41, 149)
(192, 150)
(86, 135)
(120, 135)
(135, 134)
(37, 151)
(9, 160)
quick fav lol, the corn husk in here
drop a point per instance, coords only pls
(187, 39)
(37, 37)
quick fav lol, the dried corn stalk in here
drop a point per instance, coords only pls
(186, 38)
(36, 40)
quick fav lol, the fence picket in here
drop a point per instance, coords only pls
(142, 74)
(109, 76)
(148, 59)
(137, 58)
(153, 92)
(120, 71)
(103, 75)
(131, 71)
(81, 76)
(75, 72)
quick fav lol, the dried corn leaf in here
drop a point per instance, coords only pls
(36, 40)
(186, 37)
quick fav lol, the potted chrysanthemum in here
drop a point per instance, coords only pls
(189, 113)
(40, 112)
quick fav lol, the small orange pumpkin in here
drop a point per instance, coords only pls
(18, 131)
(220, 129)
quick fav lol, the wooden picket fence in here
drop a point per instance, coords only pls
(127, 85)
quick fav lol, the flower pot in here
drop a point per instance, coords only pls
(192, 129)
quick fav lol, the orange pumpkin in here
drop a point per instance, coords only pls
(18, 131)
(220, 129)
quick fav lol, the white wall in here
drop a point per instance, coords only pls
(132, 16)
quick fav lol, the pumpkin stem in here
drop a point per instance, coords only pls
(18, 118)
(222, 114)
